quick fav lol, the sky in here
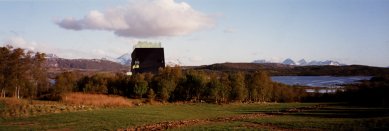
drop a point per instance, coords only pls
(199, 32)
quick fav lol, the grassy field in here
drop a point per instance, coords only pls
(329, 117)
(278, 117)
(115, 118)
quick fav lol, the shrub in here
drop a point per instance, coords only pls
(98, 100)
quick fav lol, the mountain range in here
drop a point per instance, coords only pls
(279, 69)
(55, 62)
(125, 60)
(303, 62)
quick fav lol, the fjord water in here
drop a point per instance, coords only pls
(334, 82)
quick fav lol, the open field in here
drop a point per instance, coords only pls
(273, 116)
(329, 117)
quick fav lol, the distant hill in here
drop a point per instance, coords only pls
(84, 64)
(282, 69)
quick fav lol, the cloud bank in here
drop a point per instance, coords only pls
(143, 19)
(20, 42)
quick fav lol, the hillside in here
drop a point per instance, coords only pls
(84, 64)
(281, 69)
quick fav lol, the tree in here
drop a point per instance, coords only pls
(196, 84)
(150, 95)
(260, 87)
(225, 91)
(166, 87)
(119, 85)
(4, 65)
(39, 75)
(16, 71)
(141, 85)
(96, 84)
(239, 91)
(21, 72)
(65, 82)
(167, 81)
(215, 89)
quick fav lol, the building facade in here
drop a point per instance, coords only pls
(147, 57)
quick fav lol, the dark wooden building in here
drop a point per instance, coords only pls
(147, 60)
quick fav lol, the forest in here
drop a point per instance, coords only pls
(23, 74)
(174, 84)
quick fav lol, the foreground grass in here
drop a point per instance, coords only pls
(330, 117)
(333, 117)
(112, 119)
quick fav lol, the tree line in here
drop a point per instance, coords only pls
(174, 84)
(22, 73)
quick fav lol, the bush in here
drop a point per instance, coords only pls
(97, 100)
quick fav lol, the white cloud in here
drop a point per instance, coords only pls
(142, 19)
(20, 42)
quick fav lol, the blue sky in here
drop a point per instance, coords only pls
(200, 32)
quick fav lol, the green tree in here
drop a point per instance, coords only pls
(150, 95)
(196, 82)
(167, 81)
(96, 84)
(4, 65)
(141, 85)
(239, 90)
(39, 75)
(21, 73)
(65, 82)
(226, 90)
(215, 89)
(260, 87)
(16, 72)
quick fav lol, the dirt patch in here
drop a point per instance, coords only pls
(302, 109)
(62, 129)
(183, 123)
(273, 127)
(263, 126)
(20, 123)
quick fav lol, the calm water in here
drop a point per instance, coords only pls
(319, 81)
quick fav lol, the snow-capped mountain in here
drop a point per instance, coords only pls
(289, 62)
(125, 59)
(303, 62)
(327, 62)
(261, 61)
(85, 64)
(48, 56)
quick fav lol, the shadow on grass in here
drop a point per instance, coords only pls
(325, 111)
(326, 117)
(344, 111)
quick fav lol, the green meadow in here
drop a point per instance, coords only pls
(277, 116)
